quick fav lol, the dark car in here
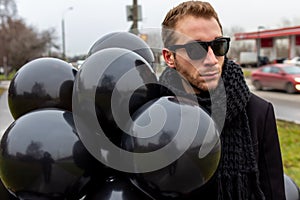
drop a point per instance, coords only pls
(277, 76)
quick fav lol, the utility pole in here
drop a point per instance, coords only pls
(134, 14)
(63, 39)
(134, 27)
(63, 33)
(258, 44)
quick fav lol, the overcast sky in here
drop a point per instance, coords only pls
(91, 19)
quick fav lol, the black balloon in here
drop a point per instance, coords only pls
(124, 40)
(115, 187)
(41, 83)
(38, 153)
(292, 191)
(5, 194)
(176, 117)
(122, 80)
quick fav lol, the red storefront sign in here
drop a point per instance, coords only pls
(297, 39)
(267, 42)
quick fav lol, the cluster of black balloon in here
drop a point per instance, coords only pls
(39, 150)
(54, 147)
(42, 152)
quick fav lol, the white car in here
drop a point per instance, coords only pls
(295, 61)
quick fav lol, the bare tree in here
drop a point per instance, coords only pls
(21, 43)
(8, 9)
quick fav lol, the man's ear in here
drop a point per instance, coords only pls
(168, 57)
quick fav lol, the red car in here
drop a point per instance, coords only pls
(277, 76)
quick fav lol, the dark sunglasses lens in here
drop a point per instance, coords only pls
(220, 47)
(196, 50)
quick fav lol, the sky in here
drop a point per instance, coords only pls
(89, 20)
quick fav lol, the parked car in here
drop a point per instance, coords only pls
(295, 61)
(280, 60)
(277, 76)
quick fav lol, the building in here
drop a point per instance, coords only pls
(266, 39)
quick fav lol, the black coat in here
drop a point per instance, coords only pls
(264, 133)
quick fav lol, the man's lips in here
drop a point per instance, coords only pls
(209, 75)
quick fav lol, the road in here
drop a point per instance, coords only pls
(286, 106)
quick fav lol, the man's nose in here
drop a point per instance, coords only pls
(210, 57)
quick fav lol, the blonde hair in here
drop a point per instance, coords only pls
(192, 8)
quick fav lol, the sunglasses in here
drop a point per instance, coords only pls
(197, 50)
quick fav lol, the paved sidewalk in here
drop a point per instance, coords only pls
(5, 116)
(4, 84)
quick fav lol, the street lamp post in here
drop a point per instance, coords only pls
(258, 44)
(63, 33)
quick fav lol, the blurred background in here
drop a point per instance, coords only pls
(68, 28)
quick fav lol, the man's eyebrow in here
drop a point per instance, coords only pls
(191, 41)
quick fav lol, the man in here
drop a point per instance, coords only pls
(195, 52)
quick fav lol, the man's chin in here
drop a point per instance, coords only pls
(208, 86)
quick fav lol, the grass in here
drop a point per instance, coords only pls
(9, 77)
(289, 137)
(247, 72)
(1, 91)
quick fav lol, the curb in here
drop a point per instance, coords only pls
(4, 84)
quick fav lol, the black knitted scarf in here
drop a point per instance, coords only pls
(237, 175)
